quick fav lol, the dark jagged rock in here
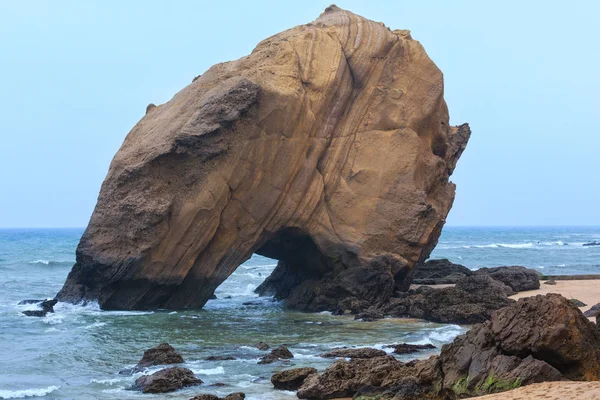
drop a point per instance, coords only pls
(451, 304)
(279, 353)
(482, 284)
(577, 303)
(266, 155)
(262, 346)
(345, 378)
(232, 396)
(291, 379)
(405, 348)
(593, 311)
(166, 380)
(595, 243)
(518, 278)
(219, 358)
(369, 315)
(440, 271)
(537, 339)
(364, 352)
(46, 306)
(206, 397)
(162, 354)
(541, 338)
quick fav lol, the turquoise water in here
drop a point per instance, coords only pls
(77, 352)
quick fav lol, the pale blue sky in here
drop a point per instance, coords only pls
(75, 76)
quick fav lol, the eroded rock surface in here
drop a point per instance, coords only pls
(166, 380)
(291, 379)
(536, 339)
(164, 353)
(327, 148)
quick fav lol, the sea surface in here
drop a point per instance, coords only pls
(77, 352)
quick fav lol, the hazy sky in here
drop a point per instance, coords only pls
(75, 76)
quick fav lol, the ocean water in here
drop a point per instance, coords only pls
(77, 352)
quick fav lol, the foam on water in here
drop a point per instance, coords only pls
(21, 394)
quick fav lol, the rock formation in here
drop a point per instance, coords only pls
(166, 380)
(536, 339)
(327, 148)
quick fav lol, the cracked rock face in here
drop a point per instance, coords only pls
(328, 148)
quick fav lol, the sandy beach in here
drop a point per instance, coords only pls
(551, 391)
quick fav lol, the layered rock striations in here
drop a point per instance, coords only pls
(328, 148)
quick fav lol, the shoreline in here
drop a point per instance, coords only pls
(586, 290)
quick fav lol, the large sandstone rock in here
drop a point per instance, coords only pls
(328, 148)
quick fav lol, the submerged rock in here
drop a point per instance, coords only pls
(164, 353)
(279, 353)
(232, 396)
(262, 346)
(328, 148)
(219, 358)
(364, 352)
(166, 380)
(46, 306)
(291, 379)
(595, 243)
(405, 348)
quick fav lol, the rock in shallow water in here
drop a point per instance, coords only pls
(164, 353)
(291, 379)
(279, 353)
(232, 396)
(328, 148)
(405, 348)
(166, 380)
(46, 306)
(364, 352)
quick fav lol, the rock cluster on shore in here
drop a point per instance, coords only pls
(536, 339)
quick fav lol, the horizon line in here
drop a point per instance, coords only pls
(445, 226)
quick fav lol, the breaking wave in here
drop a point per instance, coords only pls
(21, 394)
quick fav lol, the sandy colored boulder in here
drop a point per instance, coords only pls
(328, 148)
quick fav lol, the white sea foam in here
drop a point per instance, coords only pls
(51, 262)
(21, 394)
(446, 334)
(210, 371)
(113, 381)
(94, 325)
